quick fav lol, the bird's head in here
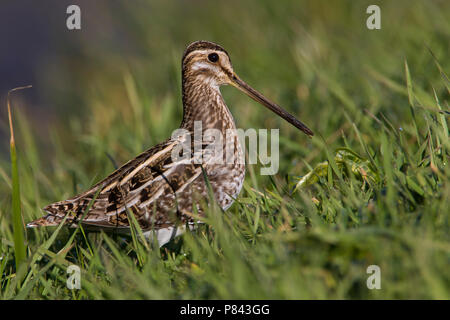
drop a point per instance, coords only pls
(207, 63)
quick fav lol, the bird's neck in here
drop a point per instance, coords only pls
(203, 102)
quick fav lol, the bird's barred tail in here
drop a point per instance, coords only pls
(53, 216)
(58, 210)
(45, 221)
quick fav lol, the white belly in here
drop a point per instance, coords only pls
(165, 235)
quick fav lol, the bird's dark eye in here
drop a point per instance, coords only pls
(213, 57)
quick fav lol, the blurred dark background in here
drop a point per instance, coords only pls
(274, 46)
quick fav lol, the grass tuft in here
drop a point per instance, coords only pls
(18, 225)
(370, 188)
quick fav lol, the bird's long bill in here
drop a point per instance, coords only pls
(255, 95)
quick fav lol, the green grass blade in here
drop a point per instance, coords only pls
(18, 228)
(411, 100)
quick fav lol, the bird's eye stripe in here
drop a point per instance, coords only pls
(213, 57)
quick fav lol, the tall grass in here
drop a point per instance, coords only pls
(18, 226)
(371, 188)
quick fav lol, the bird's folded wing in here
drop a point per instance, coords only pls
(152, 187)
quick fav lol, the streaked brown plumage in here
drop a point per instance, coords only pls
(159, 191)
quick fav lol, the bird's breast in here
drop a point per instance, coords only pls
(226, 169)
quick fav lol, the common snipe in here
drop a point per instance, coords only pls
(162, 192)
